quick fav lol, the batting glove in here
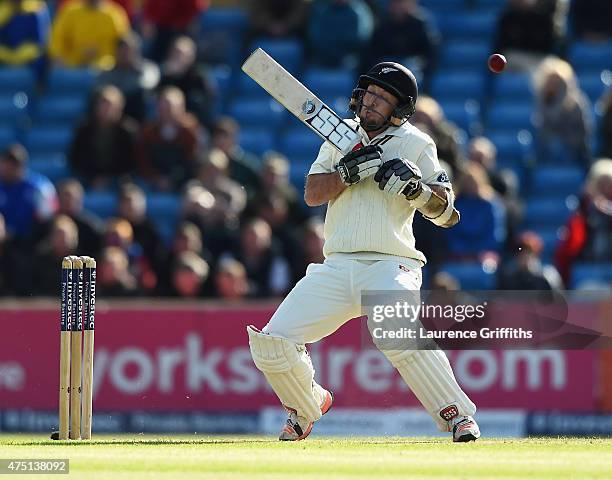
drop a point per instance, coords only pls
(399, 177)
(360, 164)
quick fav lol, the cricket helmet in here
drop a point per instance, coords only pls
(395, 79)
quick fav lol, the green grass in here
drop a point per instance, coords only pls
(250, 457)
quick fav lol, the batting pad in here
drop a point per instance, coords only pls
(288, 369)
(429, 375)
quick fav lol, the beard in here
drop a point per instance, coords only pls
(371, 120)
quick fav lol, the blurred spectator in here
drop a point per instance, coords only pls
(562, 114)
(169, 143)
(4, 259)
(275, 180)
(128, 5)
(505, 182)
(212, 173)
(86, 33)
(165, 20)
(267, 271)
(90, 227)
(605, 134)
(12, 274)
(200, 208)
(589, 230)
(24, 33)
(114, 277)
(482, 227)
(277, 18)
(27, 199)
(243, 165)
(338, 31)
(526, 271)
(445, 282)
(429, 117)
(62, 240)
(590, 19)
(135, 76)
(187, 239)
(406, 34)
(189, 274)
(181, 70)
(231, 282)
(104, 145)
(310, 249)
(119, 233)
(133, 208)
(273, 208)
(526, 33)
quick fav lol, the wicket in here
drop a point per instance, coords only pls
(77, 319)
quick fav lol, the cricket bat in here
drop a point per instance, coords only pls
(300, 101)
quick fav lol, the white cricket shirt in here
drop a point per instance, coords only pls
(366, 220)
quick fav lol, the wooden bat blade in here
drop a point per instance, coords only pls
(300, 101)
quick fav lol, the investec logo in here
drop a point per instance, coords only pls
(92, 301)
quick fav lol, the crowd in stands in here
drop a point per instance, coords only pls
(157, 123)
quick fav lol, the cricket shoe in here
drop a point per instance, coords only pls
(298, 428)
(465, 429)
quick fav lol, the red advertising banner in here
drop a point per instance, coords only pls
(171, 358)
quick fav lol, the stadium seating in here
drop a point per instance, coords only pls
(247, 87)
(44, 139)
(545, 212)
(55, 166)
(588, 274)
(595, 84)
(103, 204)
(62, 110)
(457, 86)
(222, 32)
(589, 56)
(509, 117)
(11, 113)
(13, 80)
(257, 140)
(257, 112)
(471, 276)
(287, 52)
(330, 83)
(464, 114)
(465, 55)
(512, 147)
(467, 25)
(71, 81)
(301, 144)
(556, 181)
(7, 136)
(164, 210)
(513, 87)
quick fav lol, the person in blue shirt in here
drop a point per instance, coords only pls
(24, 34)
(27, 199)
(483, 230)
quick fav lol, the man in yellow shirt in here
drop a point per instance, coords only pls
(86, 33)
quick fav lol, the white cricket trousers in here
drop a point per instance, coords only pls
(330, 295)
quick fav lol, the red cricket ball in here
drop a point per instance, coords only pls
(497, 63)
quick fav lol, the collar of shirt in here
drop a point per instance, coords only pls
(392, 131)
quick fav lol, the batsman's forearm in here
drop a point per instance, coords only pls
(436, 204)
(322, 187)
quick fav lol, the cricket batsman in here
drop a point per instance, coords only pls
(372, 195)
